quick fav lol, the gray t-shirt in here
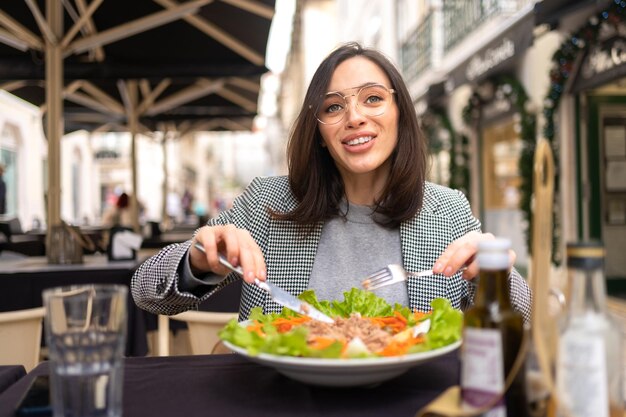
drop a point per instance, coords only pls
(350, 249)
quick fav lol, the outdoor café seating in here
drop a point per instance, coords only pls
(203, 328)
(14, 240)
(20, 332)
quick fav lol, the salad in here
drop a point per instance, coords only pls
(365, 326)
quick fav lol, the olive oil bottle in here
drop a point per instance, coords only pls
(492, 339)
(589, 359)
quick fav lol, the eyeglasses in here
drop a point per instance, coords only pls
(371, 100)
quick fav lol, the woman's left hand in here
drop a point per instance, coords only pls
(462, 252)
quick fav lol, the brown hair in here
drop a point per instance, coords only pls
(122, 201)
(313, 176)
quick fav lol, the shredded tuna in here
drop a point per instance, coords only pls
(343, 329)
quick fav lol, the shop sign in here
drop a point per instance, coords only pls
(496, 57)
(603, 64)
(489, 59)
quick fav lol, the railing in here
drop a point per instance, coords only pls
(416, 51)
(461, 17)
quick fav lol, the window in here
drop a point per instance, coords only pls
(8, 158)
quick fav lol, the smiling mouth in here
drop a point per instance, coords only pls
(359, 141)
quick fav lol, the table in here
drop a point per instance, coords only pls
(22, 281)
(230, 385)
(166, 238)
(33, 242)
(9, 374)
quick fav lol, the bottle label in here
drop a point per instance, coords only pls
(482, 370)
(582, 378)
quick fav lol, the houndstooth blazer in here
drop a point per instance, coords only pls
(290, 249)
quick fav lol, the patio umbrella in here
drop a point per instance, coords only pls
(228, 102)
(133, 65)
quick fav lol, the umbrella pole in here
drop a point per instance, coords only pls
(133, 123)
(134, 200)
(54, 105)
(165, 178)
(129, 93)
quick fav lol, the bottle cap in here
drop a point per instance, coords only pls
(494, 254)
(585, 255)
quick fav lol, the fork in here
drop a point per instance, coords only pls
(392, 274)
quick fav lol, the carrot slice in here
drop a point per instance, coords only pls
(395, 348)
(321, 342)
(283, 324)
(395, 323)
(257, 328)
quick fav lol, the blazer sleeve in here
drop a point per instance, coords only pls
(154, 286)
(521, 296)
(520, 293)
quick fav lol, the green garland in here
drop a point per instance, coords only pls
(434, 120)
(512, 90)
(562, 67)
(460, 174)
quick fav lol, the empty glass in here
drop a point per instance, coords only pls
(85, 330)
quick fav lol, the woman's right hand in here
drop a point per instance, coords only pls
(237, 245)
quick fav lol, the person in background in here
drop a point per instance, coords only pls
(3, 192)
(355, 199)
(186, 203)
(119, 214)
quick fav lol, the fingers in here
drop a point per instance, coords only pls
(460, 253)
(512, 258)
(237, 245)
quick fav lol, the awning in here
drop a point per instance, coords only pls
(203, 68)
(223, 103)
(117, 58)
(132, 39)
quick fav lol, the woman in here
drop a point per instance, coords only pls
(356, 199)
(119, 214)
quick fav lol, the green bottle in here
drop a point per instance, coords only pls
(492, 338)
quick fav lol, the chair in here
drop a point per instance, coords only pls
(203, 328)
(10, 226)
(20, 333)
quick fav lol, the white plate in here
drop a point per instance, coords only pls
(343, 372)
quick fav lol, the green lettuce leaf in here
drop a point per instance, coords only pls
(446, 325)
(359, 301)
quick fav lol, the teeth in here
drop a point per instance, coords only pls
(359, 141)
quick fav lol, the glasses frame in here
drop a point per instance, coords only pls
(391, 91)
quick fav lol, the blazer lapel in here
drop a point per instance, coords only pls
(290, 255)
(421, 246)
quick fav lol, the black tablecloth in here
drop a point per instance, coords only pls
(21, 289)
(9, 374)
(230, 385)
(164, 239)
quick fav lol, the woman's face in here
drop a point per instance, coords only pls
(359, 144)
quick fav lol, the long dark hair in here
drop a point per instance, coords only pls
(313, 176)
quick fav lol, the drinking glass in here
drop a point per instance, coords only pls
(85, 329)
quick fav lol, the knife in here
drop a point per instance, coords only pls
(279, 295)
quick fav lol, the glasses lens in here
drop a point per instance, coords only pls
(332, 108)
(372, 100)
